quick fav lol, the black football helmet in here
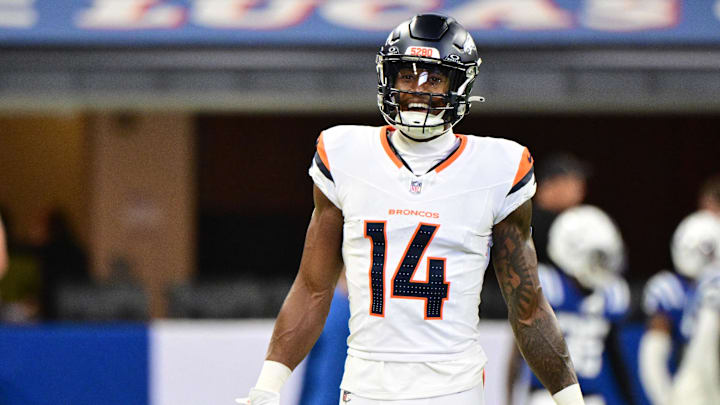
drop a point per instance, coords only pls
(434, 43)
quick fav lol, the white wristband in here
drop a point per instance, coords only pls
(569, 395)
(272, 376)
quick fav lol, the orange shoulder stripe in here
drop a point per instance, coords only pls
(321, 151)
(526, 164)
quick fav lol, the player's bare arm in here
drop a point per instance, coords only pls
(531, 317)
(303, 313)
(513, 373)
(302, 316)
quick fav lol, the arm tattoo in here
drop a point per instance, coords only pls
(531, 317)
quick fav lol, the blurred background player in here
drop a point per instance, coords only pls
(21, 281)
(668, 303)
(562, 184)
(698, 378)
(62, 259)
(3, 250)
(588, 296)
(709, 198)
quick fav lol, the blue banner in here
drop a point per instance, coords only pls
(353, 22)
(186, 362)
(74, 364)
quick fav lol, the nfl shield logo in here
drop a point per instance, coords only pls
(415, 186)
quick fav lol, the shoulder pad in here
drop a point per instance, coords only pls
(663, 292)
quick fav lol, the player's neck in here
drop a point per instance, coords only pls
(439, 145)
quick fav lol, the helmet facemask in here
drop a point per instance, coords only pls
(410, 101)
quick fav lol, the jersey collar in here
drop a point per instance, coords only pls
(398, 160)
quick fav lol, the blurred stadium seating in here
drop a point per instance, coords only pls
(228, 299)
(93, 303)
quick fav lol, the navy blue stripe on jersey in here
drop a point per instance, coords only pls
(454, 151)
(397, 154)
(525, 180)
(323, 169)
(435, 166)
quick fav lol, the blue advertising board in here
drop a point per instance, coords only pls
(74, 364)
(191, 362)
(353, 22)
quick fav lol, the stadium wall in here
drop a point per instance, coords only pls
(163, 363)
(143, 198)
(180, 362)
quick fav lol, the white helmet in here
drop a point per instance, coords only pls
(696, 243)
(585, 243)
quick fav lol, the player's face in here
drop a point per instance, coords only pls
(425, 80)
(709, 203)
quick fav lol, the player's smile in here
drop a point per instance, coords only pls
(421, 80)
(421, 103)
(417, 107)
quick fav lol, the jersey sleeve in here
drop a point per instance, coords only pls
(522, 187)
(665, 295)
(321, 174)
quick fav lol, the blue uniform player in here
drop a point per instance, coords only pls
(588, 296)
(670, 303)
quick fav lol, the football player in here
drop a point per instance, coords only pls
(588, 296)
(414, 212)
(709, 197)
(668, 299)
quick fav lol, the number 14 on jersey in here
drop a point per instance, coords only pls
(434, 291)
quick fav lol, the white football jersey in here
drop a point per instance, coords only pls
(416, 247)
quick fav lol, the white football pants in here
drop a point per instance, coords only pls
(474, 396)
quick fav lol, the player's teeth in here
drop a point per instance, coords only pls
(417, 105)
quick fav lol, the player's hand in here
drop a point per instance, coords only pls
(260, 397)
